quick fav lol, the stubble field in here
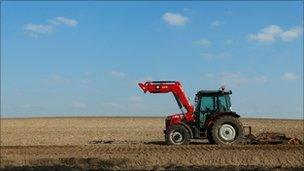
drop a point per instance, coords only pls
(78, 143)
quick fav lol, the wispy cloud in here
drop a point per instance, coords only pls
(217, 23)
(78, 104)
(267, 34)
(271, 33)
(229, 41)
(211, 56)
(143, 79)
(292, 34)
(57, 80)
(209, 75)
(130, 103)
(135, 98)
(64, 21)
(112, 105)
(203, 42)
(189, 11)
(289, 76)
(85, 81)
(28, 106)
(229, 12)
(117, 74)
(36, 30)
(232, 79)
(175, 19)
(261, 79)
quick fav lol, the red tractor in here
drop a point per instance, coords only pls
(210, 118)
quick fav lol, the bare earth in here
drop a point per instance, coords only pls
(136, 143)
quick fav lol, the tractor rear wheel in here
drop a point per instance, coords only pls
(227, 130)
(177, 135)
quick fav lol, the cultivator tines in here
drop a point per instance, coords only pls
(295, 141)
(271, 138)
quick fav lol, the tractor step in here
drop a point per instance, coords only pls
(199, 134)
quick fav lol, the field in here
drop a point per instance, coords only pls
(136, 143)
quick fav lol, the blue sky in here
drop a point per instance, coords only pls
(86, 58)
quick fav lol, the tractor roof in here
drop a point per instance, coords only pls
(213, 92)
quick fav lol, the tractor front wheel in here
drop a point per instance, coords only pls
(227, 130)
(177, 135)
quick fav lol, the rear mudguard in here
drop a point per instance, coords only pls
(213, 118)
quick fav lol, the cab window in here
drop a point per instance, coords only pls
(207, 103)
(222, 102)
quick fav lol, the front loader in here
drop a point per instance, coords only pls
(211, 118)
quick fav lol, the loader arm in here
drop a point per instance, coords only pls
(170, 86)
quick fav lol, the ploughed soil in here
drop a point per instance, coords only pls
(95, 143)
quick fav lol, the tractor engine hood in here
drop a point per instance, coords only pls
(174, 119)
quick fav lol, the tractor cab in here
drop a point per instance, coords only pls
(211, 102)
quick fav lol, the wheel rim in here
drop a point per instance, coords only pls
(227, 132)
(176, 137)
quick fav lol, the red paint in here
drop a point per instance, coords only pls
(176, 88)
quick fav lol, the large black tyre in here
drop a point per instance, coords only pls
(177, 135)
(227, 130)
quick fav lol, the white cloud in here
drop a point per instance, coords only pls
(233, 78)
(211, 56)
(57, 80)
(35, 30)
(229, 41)
(209, 75)
(292, 34)
(217, 23)
(137, 105)
(131, 103)
(142, 80)
(135, 99)
(28, 106)
(63, 21)
(261, 79)
(289, 76)
(268, 34)
(273, 32)
(228, 12)
(112, 105)
(175, 19)
(78, 104)
(189, 11)
(85, 81)
(61, 80)
(67, 21)
(203, 42)
(117, 74)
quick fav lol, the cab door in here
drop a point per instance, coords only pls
(207, 107)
